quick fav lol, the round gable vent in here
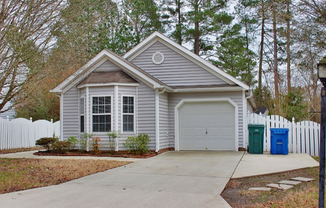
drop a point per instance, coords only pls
(158, 58)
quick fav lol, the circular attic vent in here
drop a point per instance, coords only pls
(158, 58)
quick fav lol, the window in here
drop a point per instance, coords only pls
(82, 114)
(128, 114)
(101, 111)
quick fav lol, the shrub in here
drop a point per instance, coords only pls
(137, 145)
(112, 136)
(96, 145)
(61, 146)
(46, 142)
(73, 141)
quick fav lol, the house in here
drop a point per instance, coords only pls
(263, 111)
(161, 89)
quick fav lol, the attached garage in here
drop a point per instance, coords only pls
(207, 125)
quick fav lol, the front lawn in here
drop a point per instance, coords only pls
(22, 174)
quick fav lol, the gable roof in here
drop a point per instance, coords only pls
(134, 71)
(156, 36)
(104, 55)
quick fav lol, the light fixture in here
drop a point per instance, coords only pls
(321, 66)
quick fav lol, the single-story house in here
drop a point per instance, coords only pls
(161, 89)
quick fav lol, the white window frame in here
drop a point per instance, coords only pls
(81, 106)
(133, 114)
(91, 112)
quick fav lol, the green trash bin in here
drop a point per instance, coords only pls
(256, 138)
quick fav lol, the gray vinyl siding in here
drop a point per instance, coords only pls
(164, 122)
(70, 117)
(107, 66)
(146, 113)
(175, 98)
(176, 70)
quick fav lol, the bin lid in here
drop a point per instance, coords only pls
(256, 125)
(279, 130)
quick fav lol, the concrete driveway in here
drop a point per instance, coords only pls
(172, 179)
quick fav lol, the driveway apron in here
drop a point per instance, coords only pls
(172, 179)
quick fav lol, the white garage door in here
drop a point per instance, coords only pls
(207, 126)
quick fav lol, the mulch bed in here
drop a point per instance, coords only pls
(123, 154)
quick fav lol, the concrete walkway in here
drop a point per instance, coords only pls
(262, 164)
(172, 179)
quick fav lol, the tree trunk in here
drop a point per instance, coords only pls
(196, 46)
(261, 53)
(288, 66)
(179, 25)
(276, 75)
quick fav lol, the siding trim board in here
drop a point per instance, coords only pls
(183, 101)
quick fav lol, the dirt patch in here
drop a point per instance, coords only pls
(237, 194)
(22, 174)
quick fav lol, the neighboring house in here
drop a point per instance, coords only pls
(263, 111)
(158, 88)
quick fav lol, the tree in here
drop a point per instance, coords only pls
(232, 54)
(143, 18)
(205, 18)
(25, 37)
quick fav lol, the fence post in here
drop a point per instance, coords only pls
(294, 136)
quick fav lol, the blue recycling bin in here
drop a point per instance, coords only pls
(279, 141)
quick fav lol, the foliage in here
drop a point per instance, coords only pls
(73, 141)
(113, 135)
(24, 42)
(137, 145)
(46, 142)
(95, 143)
(84, 139)
(61, 146)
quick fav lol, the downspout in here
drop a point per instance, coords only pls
(157, 118)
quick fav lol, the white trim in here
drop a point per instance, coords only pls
(156, 35)
(183, 101)
(136, 111)
(116, 108)
(108, 84)
(87, 113)
(91, 113)
(244, 117)
(210, 89)
(94, 63)
(127, 132)
(158, 62)
(157, 120)
(61, 116)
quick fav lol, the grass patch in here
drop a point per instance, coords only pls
(304, 195)
(22, 174)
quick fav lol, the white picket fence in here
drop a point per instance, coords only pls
(22, 133)
(304, 136)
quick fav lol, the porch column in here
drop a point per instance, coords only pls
(87, 116)
(157, 120)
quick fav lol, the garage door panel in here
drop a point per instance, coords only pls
(218, 118)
